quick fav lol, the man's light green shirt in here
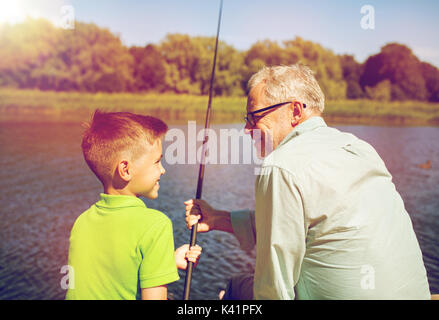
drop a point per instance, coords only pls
(329, 223)
(119, 246)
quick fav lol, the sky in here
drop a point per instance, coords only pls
(336, 24)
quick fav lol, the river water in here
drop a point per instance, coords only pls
(45, 185)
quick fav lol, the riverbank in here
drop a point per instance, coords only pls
(49, 106)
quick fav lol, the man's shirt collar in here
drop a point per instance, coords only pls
(306, 126)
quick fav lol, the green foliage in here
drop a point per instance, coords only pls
(149, 68)
(36, 55)
(190, 59)
(431, 76)
(322, 61)
(269, 52)
(352, 71)
(382, 91)
(184, 58)
(401, 67)
(24, 48)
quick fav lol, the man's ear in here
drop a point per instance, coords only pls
(124, 170)
(297, 113)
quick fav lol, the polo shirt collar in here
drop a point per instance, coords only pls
(306, 126)
(119, 201)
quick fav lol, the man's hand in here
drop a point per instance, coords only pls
(184, 254)
(208, 218)
(199, 211)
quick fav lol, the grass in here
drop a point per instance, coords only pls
(34, 105)
(386, 113)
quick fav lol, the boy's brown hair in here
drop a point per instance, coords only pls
(110, 134)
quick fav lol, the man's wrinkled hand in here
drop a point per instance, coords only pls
(200, 211)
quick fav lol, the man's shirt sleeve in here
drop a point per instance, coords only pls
(281, 234)
(243, 223)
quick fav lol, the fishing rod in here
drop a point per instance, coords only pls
(187, 282)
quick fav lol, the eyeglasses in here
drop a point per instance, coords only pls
(251, 119)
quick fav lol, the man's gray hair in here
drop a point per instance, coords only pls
(286, 83)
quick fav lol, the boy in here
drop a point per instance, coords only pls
(119, 248)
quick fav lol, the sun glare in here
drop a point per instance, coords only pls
(16, 11)
(11, 11)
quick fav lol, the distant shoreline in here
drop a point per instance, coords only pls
(48, 106)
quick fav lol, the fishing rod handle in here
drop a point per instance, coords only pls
(190, 266)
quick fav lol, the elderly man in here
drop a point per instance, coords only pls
(329, 223)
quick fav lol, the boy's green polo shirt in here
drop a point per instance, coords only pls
(117, 247)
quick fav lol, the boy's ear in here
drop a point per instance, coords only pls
(124, 170)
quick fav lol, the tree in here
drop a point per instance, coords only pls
(323, 62)
(189, 65)
(35, 54)
(230, 70)
(183, 57)
(382, 91)
(96, 59)
(352, 71)
(24, 47)
(401, 67)
(149, 68)
(262, 53)
(268, 51)
(431, 77)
